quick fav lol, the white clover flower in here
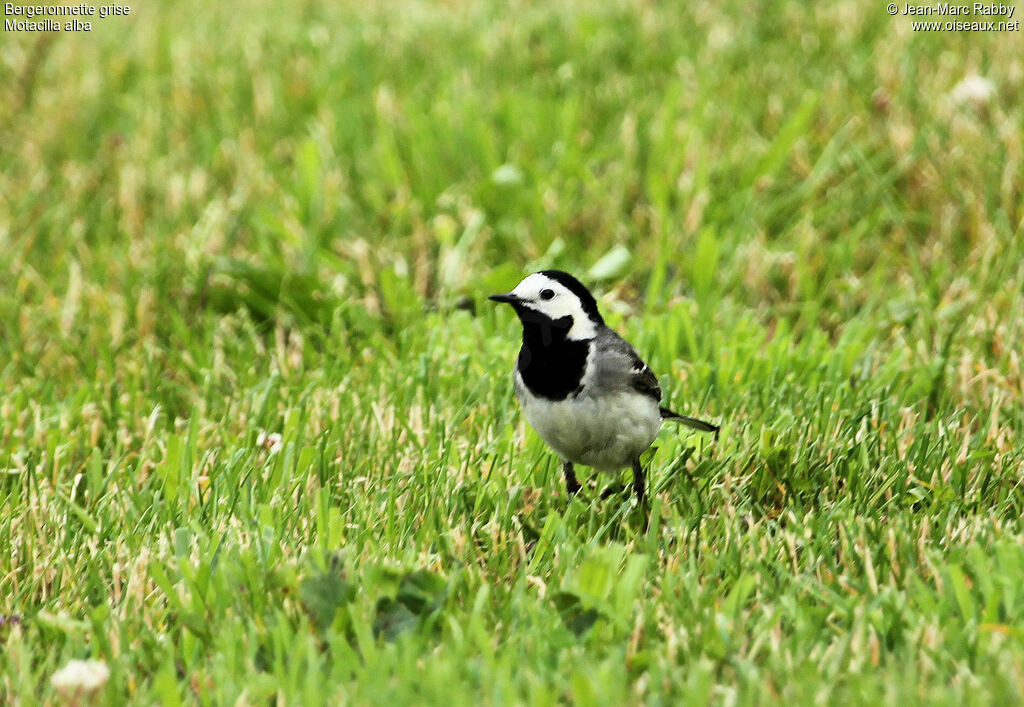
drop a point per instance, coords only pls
(80, 676)
(973, 88)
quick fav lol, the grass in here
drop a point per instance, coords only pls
(218, 224)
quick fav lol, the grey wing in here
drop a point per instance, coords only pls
(620, 366)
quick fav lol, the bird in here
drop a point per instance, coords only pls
(583, 388)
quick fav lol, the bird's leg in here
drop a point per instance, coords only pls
(571, 484)
(638, 481)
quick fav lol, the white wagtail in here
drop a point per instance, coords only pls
(583, 388)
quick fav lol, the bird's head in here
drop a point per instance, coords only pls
(555, 300)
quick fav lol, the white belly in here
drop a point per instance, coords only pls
(606, 433)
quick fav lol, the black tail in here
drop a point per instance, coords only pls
(693, 422)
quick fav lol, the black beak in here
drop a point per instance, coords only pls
(506, 297)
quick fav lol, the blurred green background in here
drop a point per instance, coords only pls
(222, 222)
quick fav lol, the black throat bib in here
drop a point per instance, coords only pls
(551, 365)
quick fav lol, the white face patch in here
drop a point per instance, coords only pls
(553, 299)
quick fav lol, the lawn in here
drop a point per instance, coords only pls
(258, 441)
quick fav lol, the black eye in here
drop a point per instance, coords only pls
(547, 294)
